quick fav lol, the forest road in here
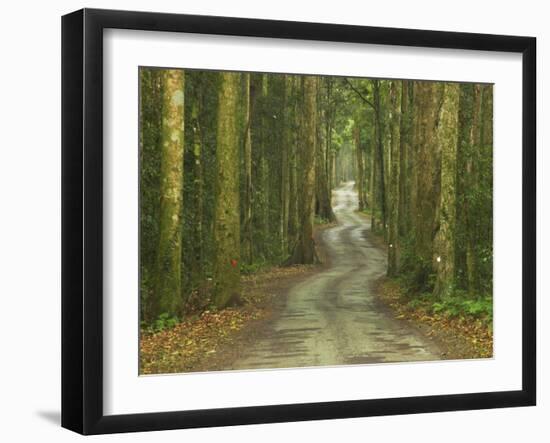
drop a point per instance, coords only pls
(333, 317)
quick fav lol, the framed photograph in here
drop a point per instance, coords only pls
(269, 221)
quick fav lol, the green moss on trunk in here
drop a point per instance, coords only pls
(304, 251)
(393, 222)
(447, 138)
(427, 96)
(168, 293)
(226, 217)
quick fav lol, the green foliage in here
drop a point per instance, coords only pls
(162, 322)
(247, 269)
(419, 301)
(459, 305)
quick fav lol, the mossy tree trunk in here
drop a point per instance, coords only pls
(485, 219)
(323, 194)
(285, 166)
(405, 161)
(393, 222)
(472, 170)
(168, 293)
(294, 128)
(247, 203)
(374, 202)
(328, 135)
(380, 153)
(197, 268)
(426, 105)
(467, 186)
(149, 184)
(304, 251)
(447, 138)
(463, 152)
(360, 168)
(226, 215)
(264, 191)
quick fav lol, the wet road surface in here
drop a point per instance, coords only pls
(333, 317)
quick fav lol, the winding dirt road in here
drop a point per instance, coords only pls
(333, 317)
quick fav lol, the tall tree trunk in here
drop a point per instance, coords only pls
(472, 184)
(380, 147)
(285, 166)
(486, 171)
(150, 149)
(360, 180)
(261, 186)
(413, 167)
(334, 171)
(404, 160)
(447, 139)
(305, 247)
(393, 225)
(226, 212)
(463, 152)
(427, 98)
(264, 162)
(168, 294)
(293, 166)
(275, 150)
(374, 202)
(328, 137)
(197, 268)
(247, 228)
(322, 190)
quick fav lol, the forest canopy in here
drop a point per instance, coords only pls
(237, 170)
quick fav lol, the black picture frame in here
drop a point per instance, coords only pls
(82, 220)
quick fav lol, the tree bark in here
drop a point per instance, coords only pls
(486, 170)
(393, 225)
(322, 190)
(294, 124)
(404, 161)
(150, 158)
(168, 294)
(247, 222)
(285, 167)
(360, 168)
(447, 138)
(304, 251)
(380, 153)
(328, 137)
(374, 201)
(226, 212)
(197, 268)
(426, 105)
(471, 186)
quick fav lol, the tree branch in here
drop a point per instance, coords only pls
(366, 100)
